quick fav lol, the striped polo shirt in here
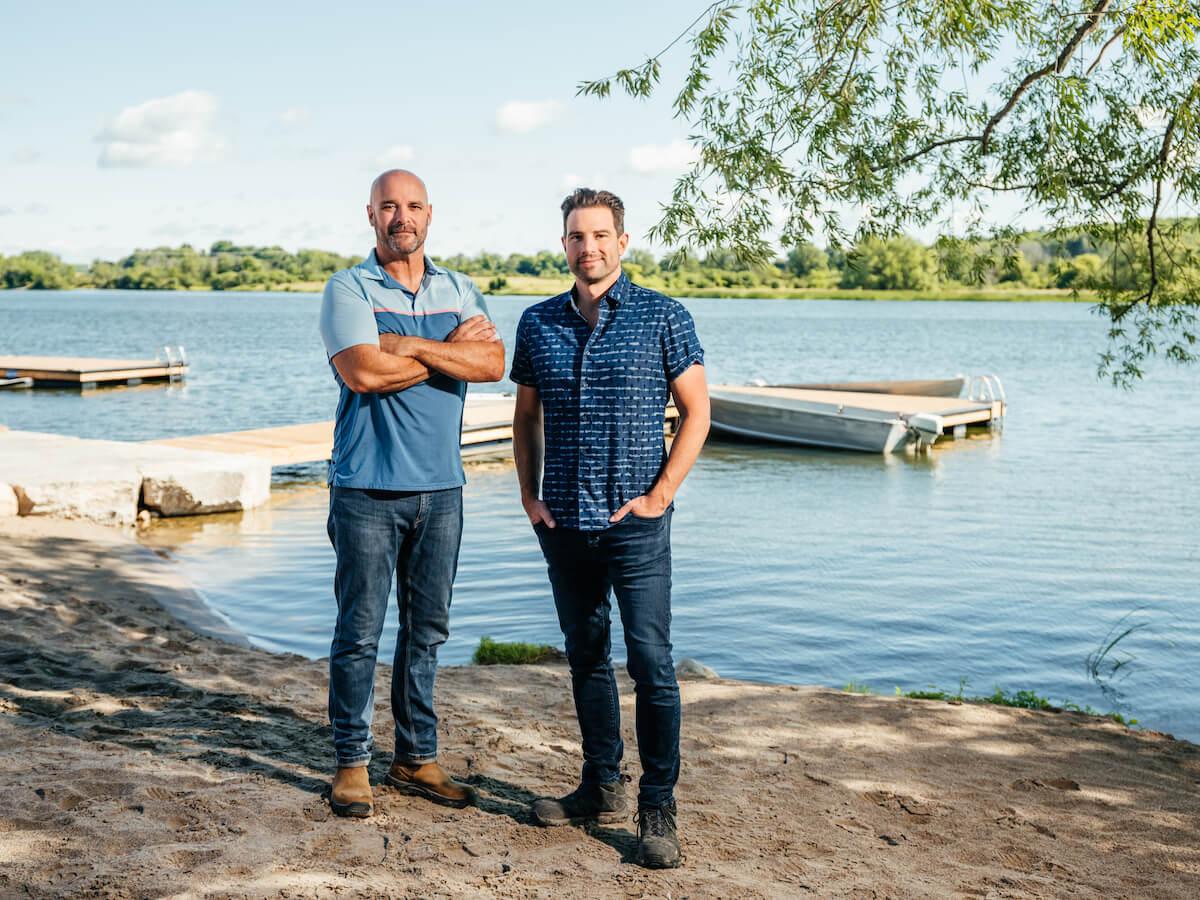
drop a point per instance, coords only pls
(407, 440)
(603, 394)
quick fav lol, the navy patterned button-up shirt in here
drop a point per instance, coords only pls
(603, 394)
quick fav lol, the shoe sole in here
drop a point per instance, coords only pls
(658, 862)
(355, 810)
(609, 818)
(416, 790)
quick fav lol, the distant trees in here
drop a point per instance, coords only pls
(1066, 259)
(36, 269)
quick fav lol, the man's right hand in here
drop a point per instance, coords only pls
(537, 511)
(476, 328)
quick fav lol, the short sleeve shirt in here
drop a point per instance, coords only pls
(408, 440)
(603, 392)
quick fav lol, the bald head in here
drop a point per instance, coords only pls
(400, 213)
(396, 178)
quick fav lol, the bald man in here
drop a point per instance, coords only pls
(403, 336)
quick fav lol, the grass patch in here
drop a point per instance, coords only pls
(856, 687)
(513, 653)
(1018, 699)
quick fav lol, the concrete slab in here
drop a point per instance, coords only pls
(8, 500)
(103, 481)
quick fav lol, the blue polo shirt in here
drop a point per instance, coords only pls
(407, 440)
(603, 393)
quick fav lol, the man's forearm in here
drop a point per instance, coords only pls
(690, 392)
(365, 369)
(528, 454)
(685, 449)
(473, 361)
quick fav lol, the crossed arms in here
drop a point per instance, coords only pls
(471, 352)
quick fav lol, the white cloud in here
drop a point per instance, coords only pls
(169, 131)
(674, 157)
(517, 117)
(295, 115)
(392, 157)
(24, 157)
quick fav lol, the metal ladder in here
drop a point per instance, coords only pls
(175, 357)
(988, 389)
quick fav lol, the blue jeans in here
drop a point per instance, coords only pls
(632, 559)
(413, 538)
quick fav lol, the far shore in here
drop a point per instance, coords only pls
(529, 286)
(140, 759)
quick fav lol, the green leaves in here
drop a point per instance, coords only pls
(835, 120)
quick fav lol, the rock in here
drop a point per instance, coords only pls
(8, 500)
(689, 668)
(102, 481)
(188, 482)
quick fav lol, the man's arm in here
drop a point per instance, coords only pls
(529, 453)
(471, 352)
(690, 392)
(366, 369)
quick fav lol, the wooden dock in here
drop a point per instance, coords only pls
(486, 433)
(85, 373)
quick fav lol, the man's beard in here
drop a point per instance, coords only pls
(594, 276)
(393, 244)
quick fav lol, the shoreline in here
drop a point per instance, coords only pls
(525, 286)
(138, 758)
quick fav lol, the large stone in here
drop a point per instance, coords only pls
(8, 500)
(194, 483)
(103, 481)
(69, 478)
(689, 668)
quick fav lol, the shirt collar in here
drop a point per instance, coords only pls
(372, 269)
(616, 294)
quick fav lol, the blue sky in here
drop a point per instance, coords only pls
(136, 124)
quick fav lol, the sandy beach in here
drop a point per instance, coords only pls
(140, 759)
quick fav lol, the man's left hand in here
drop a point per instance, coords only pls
(647, 506)
(476, 328)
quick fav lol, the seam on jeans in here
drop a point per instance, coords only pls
(406, 610)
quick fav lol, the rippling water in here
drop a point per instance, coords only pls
(1003, 559)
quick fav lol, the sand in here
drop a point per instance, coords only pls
(139, 759)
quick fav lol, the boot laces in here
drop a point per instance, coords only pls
(655, 821)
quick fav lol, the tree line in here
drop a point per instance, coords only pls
(1072, 259)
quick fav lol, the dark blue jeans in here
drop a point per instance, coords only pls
(632, 560)
(380, 536)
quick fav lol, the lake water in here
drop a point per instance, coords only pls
(1005, 559)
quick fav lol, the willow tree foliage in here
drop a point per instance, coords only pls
(841, 119)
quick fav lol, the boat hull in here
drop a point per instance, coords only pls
(808, 423)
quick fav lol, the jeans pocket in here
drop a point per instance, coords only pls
(651, 519)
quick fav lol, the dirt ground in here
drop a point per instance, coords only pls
(138, 759)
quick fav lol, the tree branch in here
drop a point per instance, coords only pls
(1093, 21)
(1104, 49)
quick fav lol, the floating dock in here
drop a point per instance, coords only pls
(869, 416)
(86, 373)
(486, 433)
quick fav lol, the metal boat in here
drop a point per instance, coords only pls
(877, 417)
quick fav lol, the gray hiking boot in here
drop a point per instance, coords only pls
(658, 845)
(604, 803)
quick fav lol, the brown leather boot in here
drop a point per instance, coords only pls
(351, 794)
(431, 782)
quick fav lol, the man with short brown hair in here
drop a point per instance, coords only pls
(594, 369)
